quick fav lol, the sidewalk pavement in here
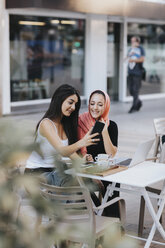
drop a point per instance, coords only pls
(133, 128)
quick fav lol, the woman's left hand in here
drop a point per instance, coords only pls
(106, 125)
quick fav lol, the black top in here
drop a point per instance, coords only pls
(94, 150)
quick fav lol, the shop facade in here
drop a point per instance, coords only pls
(43, 48)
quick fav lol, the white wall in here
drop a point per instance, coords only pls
(2, 2)
(123, 63)
(95, 53)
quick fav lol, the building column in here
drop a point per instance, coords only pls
(123, 62)
(95, 53)
(4, 61)
(1, 51)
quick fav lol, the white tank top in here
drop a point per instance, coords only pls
(48, 151)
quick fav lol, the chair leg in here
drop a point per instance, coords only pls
(122, 211)
(157, 143)
(161, 219)
(141, 217)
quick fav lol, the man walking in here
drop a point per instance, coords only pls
(135, 65)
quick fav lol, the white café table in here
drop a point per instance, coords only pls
(135, 180)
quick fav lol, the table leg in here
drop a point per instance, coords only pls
(155, 216)
(141, 217)
(81, 182)
(109, 192)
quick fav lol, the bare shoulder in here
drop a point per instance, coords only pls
(45, 126)
(46, 122)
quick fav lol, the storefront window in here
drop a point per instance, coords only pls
(45, 52)
(153, 41)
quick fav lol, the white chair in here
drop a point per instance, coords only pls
(159, 127)
(153, 190)
(74, 216)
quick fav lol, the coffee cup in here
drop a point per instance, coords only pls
(102, 157)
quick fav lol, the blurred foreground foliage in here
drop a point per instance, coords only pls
(17, 228)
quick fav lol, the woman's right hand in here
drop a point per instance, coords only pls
(88, 139)
(88, 158)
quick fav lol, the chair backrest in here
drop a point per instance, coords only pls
(72, 206)
(159, 125)
(162, 154)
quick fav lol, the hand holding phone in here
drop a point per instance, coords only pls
(89, 139)
(98, 127)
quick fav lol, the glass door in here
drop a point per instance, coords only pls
(152, 39)
(113, 59)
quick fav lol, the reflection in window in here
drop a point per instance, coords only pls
(153, 40)
(45, 52)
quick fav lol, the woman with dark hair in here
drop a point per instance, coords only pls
(56, 133)
(98, 109)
